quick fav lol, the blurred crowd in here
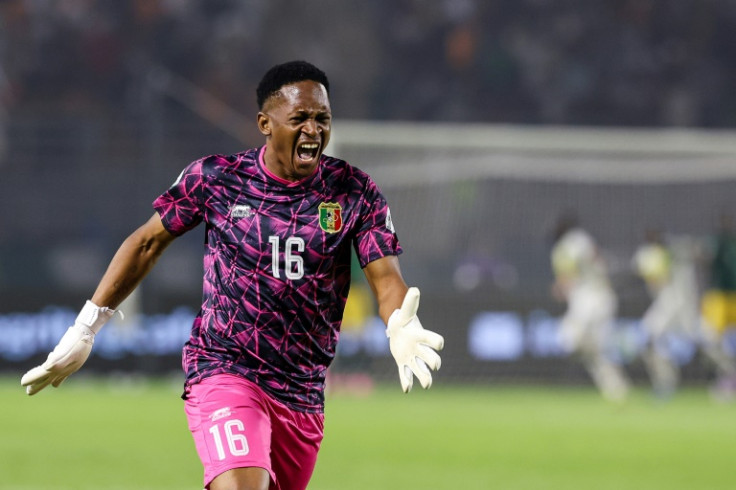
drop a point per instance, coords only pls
(609, 62)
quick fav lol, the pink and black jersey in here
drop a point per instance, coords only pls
(276, 267)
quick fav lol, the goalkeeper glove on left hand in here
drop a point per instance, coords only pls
(71, 352)
(413, 347)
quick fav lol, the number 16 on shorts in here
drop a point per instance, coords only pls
(235, 442)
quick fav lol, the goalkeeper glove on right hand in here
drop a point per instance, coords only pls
(413, 347)
(71, 352)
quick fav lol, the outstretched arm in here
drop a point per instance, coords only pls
(133, 260)
(413, 347)
(387, 284)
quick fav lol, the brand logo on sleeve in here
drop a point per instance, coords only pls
(390, 222)
(330, 217)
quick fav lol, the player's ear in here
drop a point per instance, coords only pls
(264, 124)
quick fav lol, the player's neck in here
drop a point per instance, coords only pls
(278, 170)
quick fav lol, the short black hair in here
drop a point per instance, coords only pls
(286, 73)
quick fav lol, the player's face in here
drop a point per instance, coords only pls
(297, 123)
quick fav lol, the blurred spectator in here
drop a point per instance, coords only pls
(623, 62)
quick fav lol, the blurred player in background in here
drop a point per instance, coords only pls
(719, 301)
(668, 266)
(280, 221)
(581, 280)
(350, 370)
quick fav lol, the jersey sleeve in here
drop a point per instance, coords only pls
(376, 236)
(181, 206)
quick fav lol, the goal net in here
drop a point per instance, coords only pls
(474, 207)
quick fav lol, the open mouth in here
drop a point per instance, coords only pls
(307, 151)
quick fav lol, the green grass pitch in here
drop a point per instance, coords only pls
(94, 434)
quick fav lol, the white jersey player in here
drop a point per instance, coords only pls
(669, 269)
(581, 279)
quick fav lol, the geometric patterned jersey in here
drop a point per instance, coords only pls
(276, 267)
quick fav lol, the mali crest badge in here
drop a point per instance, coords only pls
(330, 217)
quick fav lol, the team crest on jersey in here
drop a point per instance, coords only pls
(330, 217)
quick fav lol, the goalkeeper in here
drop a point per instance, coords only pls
(279, 223)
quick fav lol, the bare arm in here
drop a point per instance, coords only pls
(387, 284)
(413, 347)
(135, 257)
(133, 260)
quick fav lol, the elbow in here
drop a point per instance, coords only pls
(150, 246)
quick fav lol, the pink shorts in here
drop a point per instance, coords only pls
(236, 425)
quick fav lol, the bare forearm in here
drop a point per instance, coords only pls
(389, 288)
(132, 262)
(389, 299)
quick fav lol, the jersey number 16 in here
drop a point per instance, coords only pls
(293, 262)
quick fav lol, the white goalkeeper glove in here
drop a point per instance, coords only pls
(412, 346)
(71, 352)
